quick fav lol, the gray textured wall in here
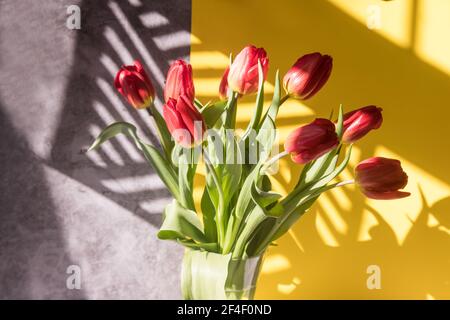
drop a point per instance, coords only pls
(58, 205)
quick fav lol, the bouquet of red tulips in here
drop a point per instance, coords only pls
(240, 215)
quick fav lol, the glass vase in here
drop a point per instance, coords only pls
(212, 276)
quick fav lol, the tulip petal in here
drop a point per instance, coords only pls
(321, 76)
(135, 86)
(381, 178)
(117, 83)
(358, 123)
(243, 76)
(172, 116)
(179, 81)
(308, 75)
(390, 195)
(311, 141)
(141, 71)
(192, 118)
(223, 87)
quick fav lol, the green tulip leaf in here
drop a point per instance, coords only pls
(164, 135)
(186, 160)
(254, 122)
(327, 178)
(299, 195)
(320, 166)
(210, 246)
(292, 218)
(266, 138)
(225, 155)
(244, 205)
(162, 167)
(211, 114)
(267, 200)
(208, 213)
(245, 194)
(181, 223)
(198, 104)
(272, 112)
(253, 220)
(340, 123)
(231, 169)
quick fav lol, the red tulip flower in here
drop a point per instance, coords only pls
(308, 75)
(135, 85)
(309, 142)
(179, 81)
(184, 121)
(381, 178)
(223, 87)
(243, 74)
(359, 122)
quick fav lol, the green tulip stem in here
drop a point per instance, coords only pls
(343, 183)
(269, 237)
(282, 100)
(221, 207)
(272, 160)
(163, 132)
(230, 121)
(272, 112)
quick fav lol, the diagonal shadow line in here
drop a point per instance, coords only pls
(335, 26)
(79, 114)
(414, 17)
(369, 147)
(29, 257)
(367, 37)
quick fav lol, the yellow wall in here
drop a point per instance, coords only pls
(404, 68)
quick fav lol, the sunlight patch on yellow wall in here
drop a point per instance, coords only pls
(344, 202)
(432, 39)
(287, 289)
(296, 240)
(199, 183)
(444, 229)
(395, 17)
(275, 263)
(430, 297)
(209, 60)
(346, 174)
(278, 186)
(195, 40)
(208, 87)
(332, 214)
(281, 171)
(368, 221)
(324, 230)
(355, 158)
(294, 108)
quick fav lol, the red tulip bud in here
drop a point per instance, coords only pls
(184, 121)
(308, 75)
(223, 87)
(243, 75)
(309, 142)
(179, 81)
(381, 178)
(135, 85)
(359, 122)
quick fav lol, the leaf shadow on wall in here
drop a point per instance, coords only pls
(368, 69)
(114, 33)
(32, 263)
